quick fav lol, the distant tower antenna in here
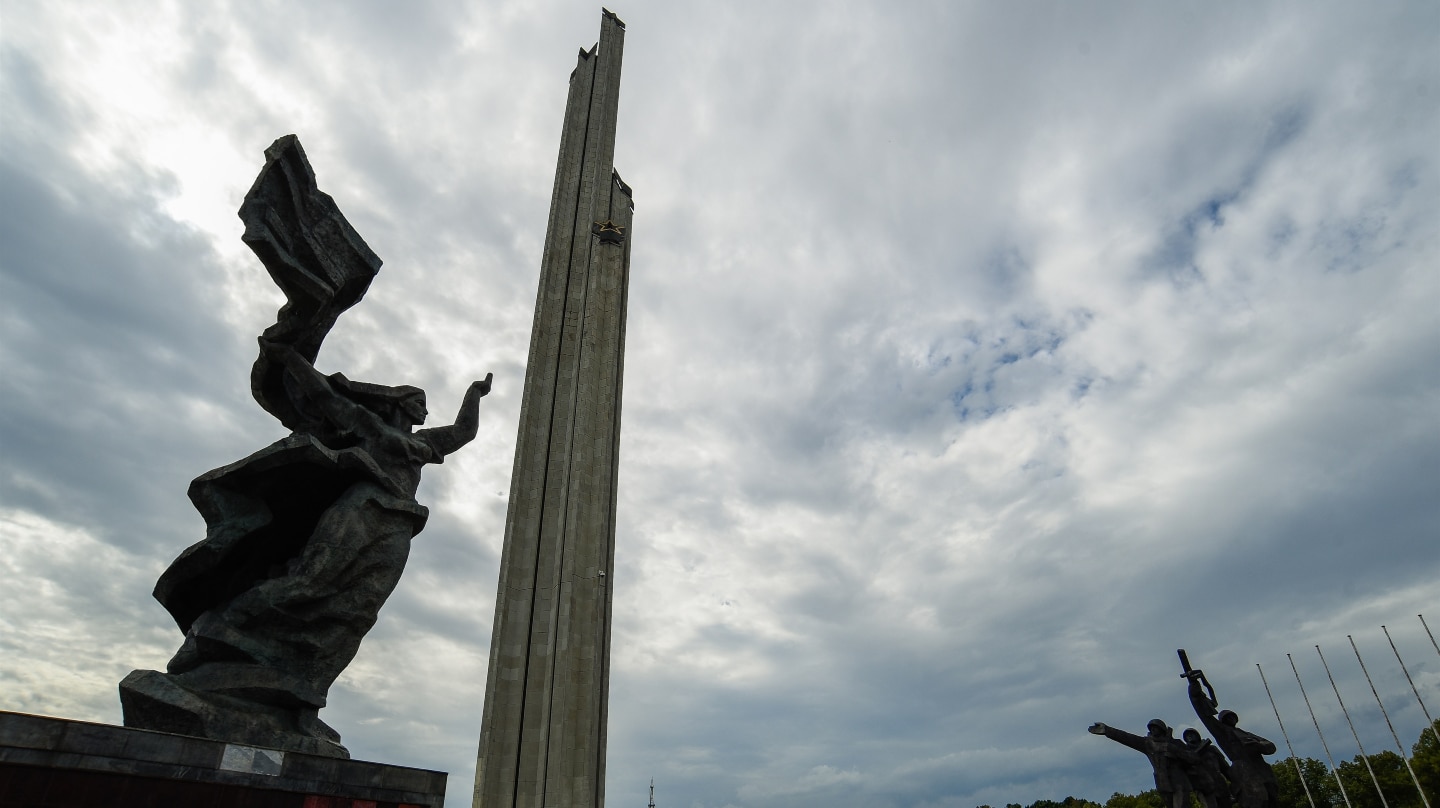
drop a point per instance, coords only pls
(652, 792)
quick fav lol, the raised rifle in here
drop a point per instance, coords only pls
(1192, 673)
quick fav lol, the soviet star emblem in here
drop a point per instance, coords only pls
(608, 231)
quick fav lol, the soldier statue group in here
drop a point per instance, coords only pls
(1195, 765)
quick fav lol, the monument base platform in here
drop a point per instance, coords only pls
(57, 763)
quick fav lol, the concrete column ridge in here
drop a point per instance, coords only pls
(543, 733)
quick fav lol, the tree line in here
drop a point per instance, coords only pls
(1324, 785)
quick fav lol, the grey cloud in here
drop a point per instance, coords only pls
(105, 345)
(927, 463)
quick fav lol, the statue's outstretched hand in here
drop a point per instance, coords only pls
(1098, 728)
(482, 387)
(447, 439)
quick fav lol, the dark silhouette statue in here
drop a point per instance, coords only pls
(1168, 757)
(1255, 785)
(1209, 771)
(306, 538)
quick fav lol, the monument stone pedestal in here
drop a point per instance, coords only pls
(57, 763)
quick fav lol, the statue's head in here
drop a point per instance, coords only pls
(1228, 718)
(1158, 728)
(413, 408)
(1191, 736)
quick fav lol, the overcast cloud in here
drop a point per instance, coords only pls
(980, 355)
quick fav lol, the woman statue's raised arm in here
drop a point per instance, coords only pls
(446, 439)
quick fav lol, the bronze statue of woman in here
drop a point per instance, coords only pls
(307, 537)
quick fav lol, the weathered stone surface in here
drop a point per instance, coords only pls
(307, 537)
(120, 766)
(543, 737)
(167, 705)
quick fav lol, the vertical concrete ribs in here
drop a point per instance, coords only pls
(542, 742)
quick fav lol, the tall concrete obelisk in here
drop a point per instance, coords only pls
(542, 744)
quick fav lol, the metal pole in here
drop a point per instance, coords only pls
(1427, 631)
(1333, 770)
(1393, 734)
(1293, 759)
(1346, 713)
(1429, 722)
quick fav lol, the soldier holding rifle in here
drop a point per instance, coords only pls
(1254, 781)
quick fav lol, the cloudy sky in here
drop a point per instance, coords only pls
(981, 355)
